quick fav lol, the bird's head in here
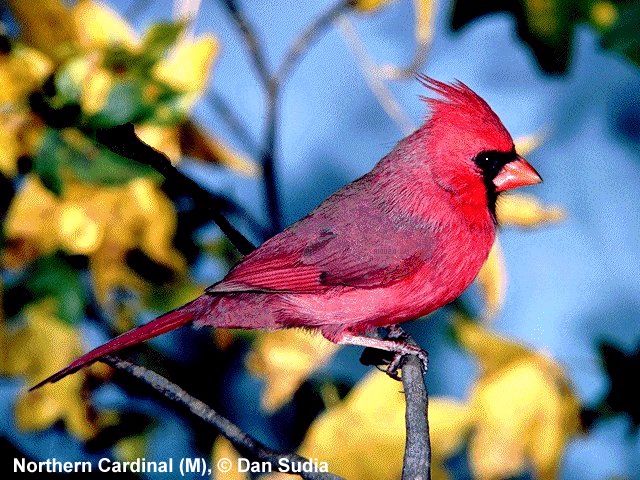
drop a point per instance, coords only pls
(469, 147)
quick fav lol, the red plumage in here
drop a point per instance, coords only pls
(398, 243)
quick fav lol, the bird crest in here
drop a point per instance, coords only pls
(459, 105)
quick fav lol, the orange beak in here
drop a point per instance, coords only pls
(518, 173)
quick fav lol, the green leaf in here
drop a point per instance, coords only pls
(623, 35)
(46, 163)
(124, 104)
(160, 37)
(53, 277)
(86, 159)
(546, 26)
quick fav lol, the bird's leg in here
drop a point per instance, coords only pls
(400, 347)
(396, 332)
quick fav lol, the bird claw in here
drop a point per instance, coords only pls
(391, 350)
(401, 357)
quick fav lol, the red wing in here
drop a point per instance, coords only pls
(371, 251)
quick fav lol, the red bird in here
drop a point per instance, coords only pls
(396, 244)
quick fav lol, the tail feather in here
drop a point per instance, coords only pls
(165, 323)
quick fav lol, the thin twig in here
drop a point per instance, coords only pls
(373, 78)
(251, 39)
(308, 36)
(226, 112)
(244, 443)
(268, 152)
(395, 72)
(123, 140)
(272, 83)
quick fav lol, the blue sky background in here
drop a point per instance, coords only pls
(570, 284)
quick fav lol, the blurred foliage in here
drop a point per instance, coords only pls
(87, 227)
(90, 228)
(46, 342)
(524, 407)
(622, 396)
(521, 411)
(548, 26)
(284, 359)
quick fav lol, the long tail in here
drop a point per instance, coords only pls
(165, 323)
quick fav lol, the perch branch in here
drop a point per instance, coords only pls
(417, 452)
(416, 464)
(244, 443)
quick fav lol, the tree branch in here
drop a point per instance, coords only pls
(229, 116)
(417, 452)
(374, 79)
(251, 39)
(124, 141)
(272, 84)
(244, 443)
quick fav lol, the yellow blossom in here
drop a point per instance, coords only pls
(524, 408)
(284, 359)
(98, 26)
(102, 223)
(526, 211)
(224, 451)
(370, 5)
(492, 280)
(370, 426)
(43, 345)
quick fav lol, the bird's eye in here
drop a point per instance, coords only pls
(491, 162)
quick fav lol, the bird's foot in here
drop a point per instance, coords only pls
(400, 357)
(398, 344)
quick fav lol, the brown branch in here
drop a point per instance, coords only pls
(244, 443)
(230, 117)
(251, 39)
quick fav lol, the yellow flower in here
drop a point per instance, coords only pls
(526, 211)
(223, 451)
(103, 223)
(284, 359)
(370, 5)
(492, 280)
(98, 26)
(187, 67)
(20, 72)
(363, 436)
(47, 26)
(43, 345)
(528, 143)
(604, 14)
(524, 408)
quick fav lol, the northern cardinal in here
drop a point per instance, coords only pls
(396, 244)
